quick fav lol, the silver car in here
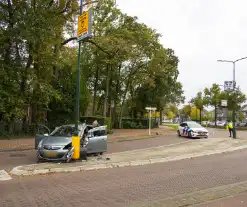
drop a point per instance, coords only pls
(58, 144)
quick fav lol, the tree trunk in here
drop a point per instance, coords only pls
(196, 115)
(161, 116)
(106, 90)
(200, 116)
(95, 88)
(123, 102)
(7, 54)
(215, 115)
(110, 97)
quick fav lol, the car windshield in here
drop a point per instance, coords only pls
(194, 125)
(63, 131)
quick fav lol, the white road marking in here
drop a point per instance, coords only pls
(4, 175)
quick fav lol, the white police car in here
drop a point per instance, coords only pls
(192, 129)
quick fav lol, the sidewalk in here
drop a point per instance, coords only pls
(239, 200)
(179, 151)
(232, 195)
(118, 135)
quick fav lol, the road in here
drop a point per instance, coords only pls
(12, 159)
(126, 186)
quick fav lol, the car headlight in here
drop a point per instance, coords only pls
(40, 144)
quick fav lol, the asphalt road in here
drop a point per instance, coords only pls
(12, 159)
(125, 186)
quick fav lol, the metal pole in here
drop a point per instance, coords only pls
(233, 110)
(150, 122)
(77, 106)
(76, 138)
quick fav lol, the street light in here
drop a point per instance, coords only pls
(234, 86)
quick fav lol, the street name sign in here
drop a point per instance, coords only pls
(151, 108)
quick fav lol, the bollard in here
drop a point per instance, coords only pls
(76, 145)
(234, 134)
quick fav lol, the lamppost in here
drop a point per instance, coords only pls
(234, 86)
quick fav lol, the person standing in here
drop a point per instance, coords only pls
(230, 128)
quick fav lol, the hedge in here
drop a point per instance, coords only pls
(138, 123)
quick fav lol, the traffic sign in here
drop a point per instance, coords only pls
(84, 25)
(229, 85)
(223, 102)
(151, 108)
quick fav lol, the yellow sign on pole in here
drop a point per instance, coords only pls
(83, 22)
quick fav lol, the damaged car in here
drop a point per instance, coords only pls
(57, 146)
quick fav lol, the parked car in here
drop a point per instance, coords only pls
(243, 124)
(167, 121)
(210, 123)
(221, 123)
(58, 144)
(205, 122)
(197, 131)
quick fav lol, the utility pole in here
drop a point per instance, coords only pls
(234, 89)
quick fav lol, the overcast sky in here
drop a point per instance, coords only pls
(200, 32)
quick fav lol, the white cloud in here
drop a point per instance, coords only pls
(200, 32)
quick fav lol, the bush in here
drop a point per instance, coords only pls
(138, 124)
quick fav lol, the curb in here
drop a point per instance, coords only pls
(18, 171)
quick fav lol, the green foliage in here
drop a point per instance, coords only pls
(186, 110)
(124, 63)
(137, 124)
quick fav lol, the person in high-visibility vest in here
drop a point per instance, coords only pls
(230, 128)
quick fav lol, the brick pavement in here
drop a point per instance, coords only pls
(118, 135)
(126, 186)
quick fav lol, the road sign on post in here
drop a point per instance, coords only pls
(84, 25)
(150, 109)
(224, 103)
(229, 85)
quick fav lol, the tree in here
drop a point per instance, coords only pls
(234, 100)
(124, 63)
(213, 96)
(199, 102)
(194, 113)
(186, 111)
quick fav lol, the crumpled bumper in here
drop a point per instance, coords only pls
(55, 155)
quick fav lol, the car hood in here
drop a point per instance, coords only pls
(57, 141)
(199, 130)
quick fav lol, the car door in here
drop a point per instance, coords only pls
(97, 140)
(181, 128)
(42, 133)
